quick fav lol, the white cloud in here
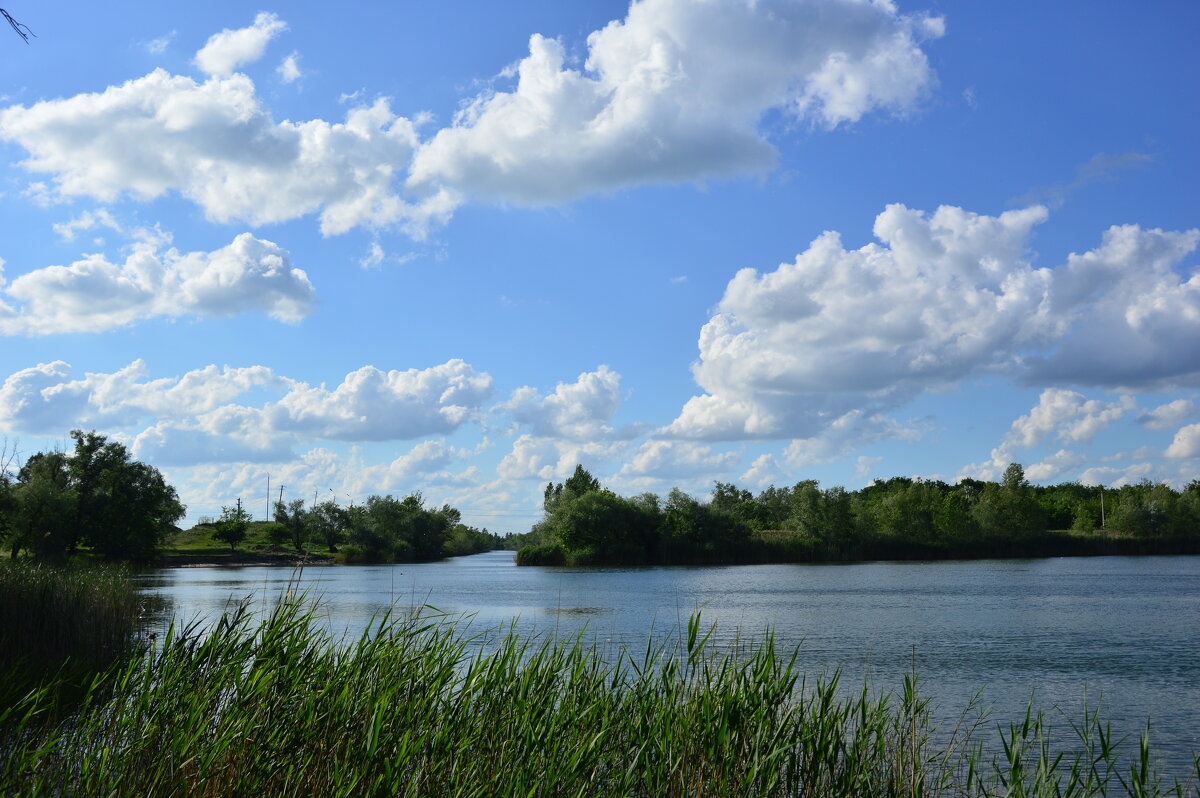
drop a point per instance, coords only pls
(1063, 415)
(1131, 313)
(764, 471)
(159, 46)
(1116, 477)
(46, 399)
(790, 351)
(576, 411)
(548, 458)
(1186, 443)
(1067, 415)
(375, 405)
(675, 92)
(844, 435)
(289, 69)
(1052, 466)
(193, 418)
(1168, 415)
(95, 294)
(947, 296)
(215, 144)
(374, 257)
(677, 460)
(226, 51)
(863, 466)
(88, 220)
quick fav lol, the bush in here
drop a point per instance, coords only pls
(545, 554)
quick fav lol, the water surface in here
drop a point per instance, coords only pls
(1120, 631)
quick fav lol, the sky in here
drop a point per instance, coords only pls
(458, 248)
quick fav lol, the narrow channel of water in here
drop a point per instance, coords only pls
(1123, 632)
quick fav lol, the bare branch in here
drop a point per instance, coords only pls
(22, 30)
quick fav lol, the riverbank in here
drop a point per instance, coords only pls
(408, 709)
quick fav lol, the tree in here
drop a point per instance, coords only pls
(232, 526)
(44, 507)
(328, 523)
(124, 507)
(292, 516)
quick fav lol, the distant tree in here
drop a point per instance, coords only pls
(292, 516)
(328, 523)
(232, 526)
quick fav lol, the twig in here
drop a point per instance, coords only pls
(22, 29)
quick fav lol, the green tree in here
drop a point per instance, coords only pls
(292, 516)
(232, 526)
(124, 507)
(44, 515)
(328, 523)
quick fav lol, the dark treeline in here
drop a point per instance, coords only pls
(385, 529)
(96, 497)
(894, 519)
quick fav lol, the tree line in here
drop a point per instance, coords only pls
(585, 523)
(385, 529)
(98, 498)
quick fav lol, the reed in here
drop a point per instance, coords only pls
(60, 625)
(416, 706)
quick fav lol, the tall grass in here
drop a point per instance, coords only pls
(280, 708)
(61, 625)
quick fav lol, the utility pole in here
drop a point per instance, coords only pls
(239, 512)
(1102, 507)
(268, 497)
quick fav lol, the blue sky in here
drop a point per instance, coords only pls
(458, 248)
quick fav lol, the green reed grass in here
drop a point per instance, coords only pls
(415, 707)
(60, 625)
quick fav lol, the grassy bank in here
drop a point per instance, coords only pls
(283, 709)
(60, 626)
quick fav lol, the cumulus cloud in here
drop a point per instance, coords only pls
(551, 458)
(946, 296)
(1052, 466)
(671, 460)
(675, 92)
(226, 51)
(1186, 443)
(95, 294)
(1131, 313)
(790, 351)
(215, 143)
(576, 411)
(1168, 415)
(47, 399)
(375, 405)
(1116, 477)
(289, 69)
(844, 435)
(1065, 416)
(195, 418)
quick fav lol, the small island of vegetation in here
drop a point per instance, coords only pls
(898, 518)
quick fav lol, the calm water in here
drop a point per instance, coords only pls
(1120, 631)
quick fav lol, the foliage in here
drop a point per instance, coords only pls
(232, 526)
(899, 517)
(284, 707)
(96, 496)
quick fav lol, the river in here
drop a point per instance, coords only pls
(1122, 632)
